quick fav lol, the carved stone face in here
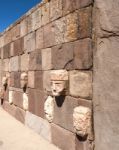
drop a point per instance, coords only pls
(58, 87)
(49, 108)
(59, 79)
(82, 120)
(24, 80)
(10, 97)
(4, 81)
(25, 101)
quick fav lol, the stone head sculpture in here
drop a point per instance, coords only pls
(82, 121)
(25, 101)
(49, 108)
(24, 80)
(4, 81)
(59, 82)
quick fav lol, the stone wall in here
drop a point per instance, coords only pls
(46, 72)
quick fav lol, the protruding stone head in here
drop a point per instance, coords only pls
(82, 121)
(4, 81)
(24, 80)
(10, 97)
(25, 101)
(49, 108)
(59, 82)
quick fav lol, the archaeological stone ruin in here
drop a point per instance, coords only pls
(59, 72)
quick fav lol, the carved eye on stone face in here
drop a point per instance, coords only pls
(24, 80)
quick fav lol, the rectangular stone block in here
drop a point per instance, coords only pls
(55, 9)
(7, 37)
(49, 35)
(80, 84)
(69, 6)
(29, 23)
(64, 107)
(36, 102)
(15, 79)
(18, 47)
(36, 59)
(60, 136)
(15, 32)
(6, 51)
(23, 27)
(14, 64)
(85, 22)
(39, 125)
(18, 99)
(39, 39)
(83, 54)
(6, 65)
(35, 79)
(29, 42)
(45, 13)
(46, 81)
(24, 63)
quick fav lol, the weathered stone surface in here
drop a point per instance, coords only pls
(83, 54)
(6, 65)
(64, 108)
(15, 79)
(29, 42)
(14, 64)
(29, 23)
(49, 108)
(36, 102)
(20, 114)
(106, 95)
(55, 9)
(39, 125)
(46, 59)
(23, 27)
(71, 30)
(80, 84)
(82, 121)
(85, 22)
(62, 56)
(49, 40)
(60, 136)
(15, 32)
(18, 47)
(24, 80)
(6, 51)
(84, 3)
(35, 79)
(7, 37)
(18, 99)
(10, 97)
(39, 38)
(25, 101)
(45, 14)
(36, 59)
(46, 81)
(59, 75)
(24, 63)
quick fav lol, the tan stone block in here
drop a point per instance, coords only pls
(39, 38)
(59, 75)
(1, 41)
(29, 42)
(46, 59)
(31, 79)
(15, 31)
(18, 47)
(7, 37)
(45, 14)
(23, 27)
(80, 84)
(29, 23)
(55, 9)
(24, 65)
(14, 64)
(46, 81)
(6, 51)
(6, 65)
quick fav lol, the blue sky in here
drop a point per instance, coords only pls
(11, 10)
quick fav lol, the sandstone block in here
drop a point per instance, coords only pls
(55, 9)
(24, 63)
(46, 59)
(36, 59)
(7, 37)
(6, 51)
(83, 54)
(18, 99)
(39, 125)
(14, 64)
(36, 102)
(25, 101)
(20, 114)
(23, 27)
(46, 81)
(18, 47)
(29, 23)
(84, 3)
(39, 38)
(60, 136)
(29, 42)
(10, 97)
(69, 6)
(6, 65)
(15, 79)
(15, 32)
(80, 84)
(45, 14)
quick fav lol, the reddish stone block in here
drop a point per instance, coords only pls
(18, 46)
(18, 99)
(35, 62)
(85, 22)
(83, 54)
(39, 38)
(6, 51)
(15, 79)
(36, 102)
(60, 137)
(68, 6)
(83, 3)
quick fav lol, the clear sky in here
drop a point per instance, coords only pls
(11, 10)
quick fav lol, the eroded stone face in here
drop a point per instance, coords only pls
(25, 101)
(82, 121)
(4, 81)
(10, 97)
(49, 108)
(59, 79)
(24, 80)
